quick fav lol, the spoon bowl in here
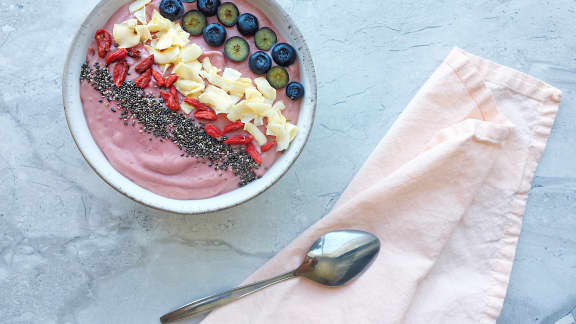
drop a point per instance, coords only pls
(338, 257)
(334, 259)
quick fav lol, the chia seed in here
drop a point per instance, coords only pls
(151, 115)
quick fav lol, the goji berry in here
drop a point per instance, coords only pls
(213, 131)
(170, 101)
(239, 140)
(145, 64)
(253, 152)
(116, 56)
(134, 52)
(158, 78)
(170, 80)
(103, 41)
(120, 72)
(165, 96)
(233, 127)
(174, 92)
(196, 104)
(268, 146)
(208, 115)
(143, 80)
(173, 103)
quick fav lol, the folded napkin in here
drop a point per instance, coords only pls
(445, 191)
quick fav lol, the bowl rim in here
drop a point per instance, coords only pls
(312, 93)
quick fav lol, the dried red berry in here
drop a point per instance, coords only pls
(158, 78)
(103, 41)
(165, 96)
(145, 64)
(253, 152)
(208, 115)
(173, 104)
(174, 92)
(213, 131)
(170, 101)
(143, 81)
(134, 52)
(268, 146)
(120, 72)
(233, 127)
(239, 140)
(116, 56)
(170, 80)
(196, 104)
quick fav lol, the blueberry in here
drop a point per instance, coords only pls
(208, 7)
(295, 90)
(278, 77)
(236, 49)
(194, 22)
(284, 54)
(228, 14)
(171, 9)
(214, 34)
(248, 24)
(265, 38)
(260, 62)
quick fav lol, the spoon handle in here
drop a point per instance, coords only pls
(209, 303)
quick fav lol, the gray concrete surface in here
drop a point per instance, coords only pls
(72, 250)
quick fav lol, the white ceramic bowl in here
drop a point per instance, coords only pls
(96, 159)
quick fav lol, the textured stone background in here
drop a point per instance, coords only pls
(72, 250)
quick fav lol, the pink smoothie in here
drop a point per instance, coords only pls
(158, 165)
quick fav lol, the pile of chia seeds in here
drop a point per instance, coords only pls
(155, 119)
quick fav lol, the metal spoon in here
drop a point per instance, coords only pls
(333, 260)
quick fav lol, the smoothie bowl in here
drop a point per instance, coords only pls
(189, 106)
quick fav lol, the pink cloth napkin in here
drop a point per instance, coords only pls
(445, 192)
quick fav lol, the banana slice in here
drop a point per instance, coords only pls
(256, 133)
(189, 87)
(159, 23)
(169, 55)
(141, 15)
(138, 5)
(125, 34)
(265, 88)
(190, 53)
(189, 71)
(216, 98)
